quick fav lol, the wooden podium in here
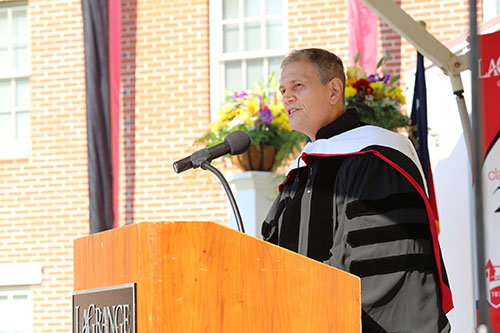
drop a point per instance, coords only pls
(204, 277)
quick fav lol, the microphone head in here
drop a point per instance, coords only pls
(238, 141)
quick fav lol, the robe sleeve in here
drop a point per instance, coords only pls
(381, 234)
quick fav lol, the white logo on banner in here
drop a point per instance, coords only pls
(493, 69)
(491, 196)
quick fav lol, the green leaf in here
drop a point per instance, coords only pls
(384, 59)
(395, 78)
(387, 56)
(356, 58)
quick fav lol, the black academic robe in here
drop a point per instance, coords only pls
(355, 199)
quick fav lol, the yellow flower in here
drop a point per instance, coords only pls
(399, 95)
(286, 126)
(282, 118)
(350, 91)
(249, 121)
(276, 109)
(244, 116)
(376, 85)
(396, 95)
(378, 88)
(215, 125)
(252, 106)
(238, 112)
(349, 82)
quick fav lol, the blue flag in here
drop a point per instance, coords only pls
(418, 130)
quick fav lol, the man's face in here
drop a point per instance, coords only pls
(309, 104)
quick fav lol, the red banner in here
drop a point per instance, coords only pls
(115, 51)
(362, 29)
(489, 67)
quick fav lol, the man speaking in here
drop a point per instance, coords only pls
(356, 199)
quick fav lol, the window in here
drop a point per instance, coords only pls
(248, 40)
(16, 310)
(14, 81)
(16, 299)
(491, 8)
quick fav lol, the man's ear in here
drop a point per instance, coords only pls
(336, 90)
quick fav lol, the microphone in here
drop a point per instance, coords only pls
(235, 143)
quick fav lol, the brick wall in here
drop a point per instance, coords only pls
(44, 200)
(171, 109)
(318, 23)
(127, 106)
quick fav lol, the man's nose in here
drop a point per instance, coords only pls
(288, 98)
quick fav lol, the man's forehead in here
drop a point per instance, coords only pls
(297, 71)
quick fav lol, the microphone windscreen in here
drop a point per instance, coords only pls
(239, 142)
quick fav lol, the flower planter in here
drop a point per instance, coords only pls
(256, 159)
(261, 114)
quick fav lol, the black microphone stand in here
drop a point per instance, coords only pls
(205, 165)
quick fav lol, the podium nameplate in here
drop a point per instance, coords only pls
(109, 309)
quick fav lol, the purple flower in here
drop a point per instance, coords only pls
(266, 115)
(372, 78)
(386, 78)
(240, 94)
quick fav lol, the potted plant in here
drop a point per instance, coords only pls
(376, 98)
(260, 113)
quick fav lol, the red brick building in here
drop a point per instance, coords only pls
(176, 58)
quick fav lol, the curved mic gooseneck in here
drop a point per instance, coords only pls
(207, 166)
(235, 143)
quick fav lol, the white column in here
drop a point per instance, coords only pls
(254, 192)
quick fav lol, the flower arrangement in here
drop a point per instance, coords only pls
(375, 97)
(260, 113)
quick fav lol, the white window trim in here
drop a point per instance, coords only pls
(490, 10)
(217, 56)
(13, 291)
(20, 274)
(18, 148)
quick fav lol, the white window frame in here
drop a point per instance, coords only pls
(491, 9)
(16, 279)
(217, 56)
(13, 148)
(10, 293)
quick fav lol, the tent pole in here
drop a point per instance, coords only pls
(458, 91)
(477, 163)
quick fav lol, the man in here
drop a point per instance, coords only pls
(355, 199)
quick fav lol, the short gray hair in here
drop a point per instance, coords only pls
(326, 64)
